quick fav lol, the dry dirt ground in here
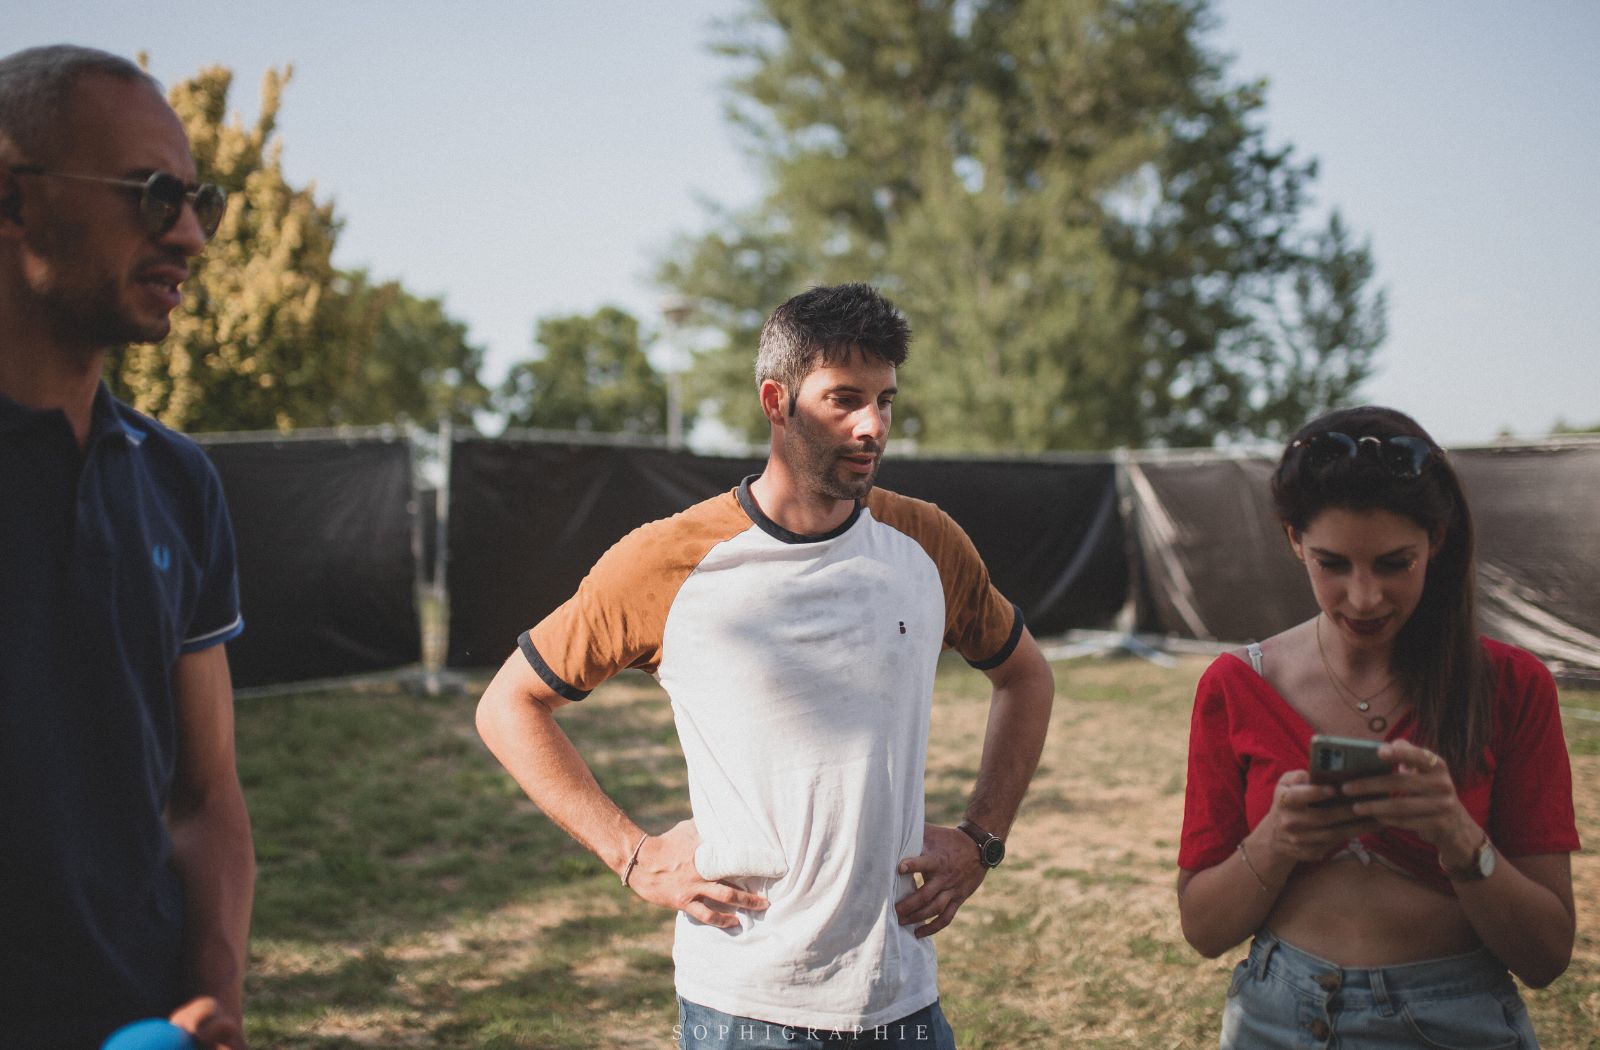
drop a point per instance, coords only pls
(512, 937)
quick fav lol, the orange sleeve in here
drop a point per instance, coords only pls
(617, 618)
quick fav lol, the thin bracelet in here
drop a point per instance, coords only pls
(634, 858)
(1246, 854)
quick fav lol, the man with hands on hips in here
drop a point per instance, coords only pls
(795, 624)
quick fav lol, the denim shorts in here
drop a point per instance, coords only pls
(1284, 997)
(702, 1028)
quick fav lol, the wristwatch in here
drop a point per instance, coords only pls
(1481, 866)
(991, 848)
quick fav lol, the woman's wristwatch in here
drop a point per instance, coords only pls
(1480, 866)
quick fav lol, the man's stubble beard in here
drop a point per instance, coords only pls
(818, 463)
(85, 313)
(848, 488)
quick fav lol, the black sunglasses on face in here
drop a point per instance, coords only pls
(1402, 456)
(161, 197)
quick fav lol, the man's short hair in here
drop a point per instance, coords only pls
(36, 85)
(824, 327)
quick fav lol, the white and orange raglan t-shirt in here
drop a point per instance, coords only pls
(800, 670)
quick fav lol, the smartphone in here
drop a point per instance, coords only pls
(1335, 759)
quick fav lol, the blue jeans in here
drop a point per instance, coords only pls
(701, 1028)
(1284, 997)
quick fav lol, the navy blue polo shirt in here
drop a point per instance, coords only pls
(114, 560)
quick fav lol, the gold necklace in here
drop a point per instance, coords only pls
(1376, 723)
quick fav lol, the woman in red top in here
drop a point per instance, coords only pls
(1391, 920)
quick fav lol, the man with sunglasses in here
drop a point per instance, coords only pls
(125, 846)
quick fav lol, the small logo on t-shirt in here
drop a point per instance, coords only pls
(161, 555)
(902, 627)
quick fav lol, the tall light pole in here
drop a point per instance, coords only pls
(676, 310)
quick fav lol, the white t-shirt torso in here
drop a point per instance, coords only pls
(800, 671)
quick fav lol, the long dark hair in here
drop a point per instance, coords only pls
(1437, 657)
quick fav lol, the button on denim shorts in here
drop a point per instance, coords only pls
(1282, 997)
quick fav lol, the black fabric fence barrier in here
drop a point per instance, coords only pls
(1212, 562)
(1050, 532)
(527, 519)
(327, 572)
(330, 531)
(1539, 548)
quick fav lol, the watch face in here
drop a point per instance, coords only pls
(1480, 866)
(992, 853)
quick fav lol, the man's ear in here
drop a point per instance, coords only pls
(774, 402)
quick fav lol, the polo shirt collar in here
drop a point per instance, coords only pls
(110, 418)
(107, 418)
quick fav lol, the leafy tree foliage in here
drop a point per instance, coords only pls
(1077, 211)
(270, 335)
(591, 374)
(246, 345)
(408, 359)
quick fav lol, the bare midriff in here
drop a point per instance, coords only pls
(1366, 915)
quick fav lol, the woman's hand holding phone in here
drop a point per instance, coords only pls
(1307, 820)
(1418, 796)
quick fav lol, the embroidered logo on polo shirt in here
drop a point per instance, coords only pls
(161, 555)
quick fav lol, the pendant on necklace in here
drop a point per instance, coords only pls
(1363, 705)
(1377, 723)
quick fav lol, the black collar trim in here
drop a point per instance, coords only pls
(748, 501)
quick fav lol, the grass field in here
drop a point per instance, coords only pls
(409, 896)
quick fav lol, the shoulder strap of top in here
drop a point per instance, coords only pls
(1254, 649)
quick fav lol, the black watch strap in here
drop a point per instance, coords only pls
(991, 848)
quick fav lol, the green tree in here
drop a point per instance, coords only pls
(270, 335)
(590, 374)
(409, 360)
(247, 344)
(1076, 210)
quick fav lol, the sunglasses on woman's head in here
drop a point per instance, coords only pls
(161, 197)
(1402, 456)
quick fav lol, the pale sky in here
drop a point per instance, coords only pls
(529, 159)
